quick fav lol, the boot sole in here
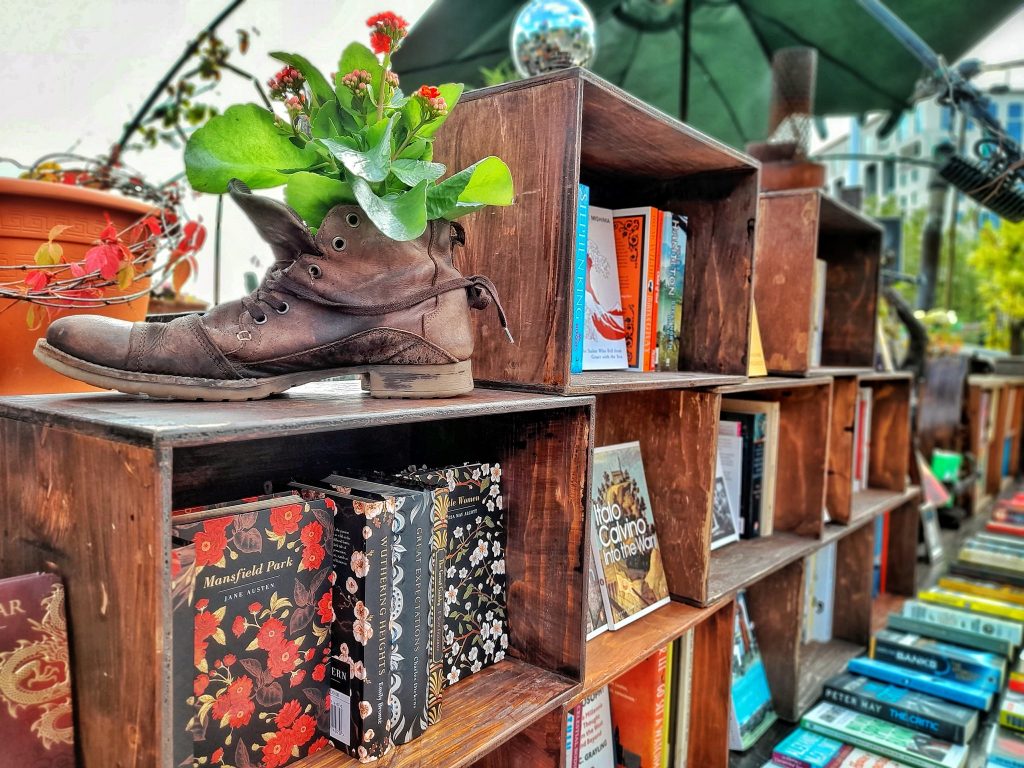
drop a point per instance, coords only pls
(382, 381)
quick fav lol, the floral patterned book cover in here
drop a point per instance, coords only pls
(361, 633)
(35, 679)
(254, 580)
(476, 621)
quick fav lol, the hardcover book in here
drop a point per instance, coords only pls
(972, 622)
(723, 517)
(1005, 749)
(950, 634)
(477, 636)
(670, 294)
(604, 331)
(638, 246)
(637, 699)
(681, 699)
(887, 739)
(942, 660)
(911, 709)
(628, 556)
(904, 677)
(751, 712)
(36, 722)
(252, 583)
(753, 429)
(987, 571)
(804, 749)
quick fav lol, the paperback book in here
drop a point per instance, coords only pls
(805, 749)
(604, 329)
(593, 745)
(752, 427)
(904, 677)
(597, 617)
(751, 712)
(1011, 710)
(637, 699)
(638, 247)
(950, 634)
(628, 555)
(723, 517)
(988, 626)
(973, 603)
(942, 660)
(670, 294)
(768, 414)
(1005, 749)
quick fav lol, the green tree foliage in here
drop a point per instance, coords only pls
(998, 261)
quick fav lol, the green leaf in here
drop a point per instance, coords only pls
(412, 113)
(313, 195)
(412, 172)
(414, 151)
(242, 143)
(327, 121)
(400, 217)
(487, 182)
(451, 92)
(375, 163)
(318, 85)
(357, 56)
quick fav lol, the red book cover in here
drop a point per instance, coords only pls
(36, 726)
(883, 570)
(1005, 528)
(653, 291)
(638, 712)
(629, 251)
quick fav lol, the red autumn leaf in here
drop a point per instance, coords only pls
(78, 268)
(182, 272)
(109, 232)
(105, 259)
(37, 280)
(194, 237)
(152, 224)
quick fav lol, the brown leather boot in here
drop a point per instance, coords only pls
(348, 301)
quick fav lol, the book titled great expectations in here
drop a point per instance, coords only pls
(35, 681)
(627, 552)
(253, 580)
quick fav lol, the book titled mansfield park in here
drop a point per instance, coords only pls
(626, 551)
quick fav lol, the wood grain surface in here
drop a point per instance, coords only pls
(889, 461)
(711, 688)
(851, 616)
(838, 496)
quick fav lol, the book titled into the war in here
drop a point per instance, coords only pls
(36, 723)
(627, 552)
(251, 580)
(928, 714)
(597, 616)
(804, 749)
(874, 735)
(943, 660)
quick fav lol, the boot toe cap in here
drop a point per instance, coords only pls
(100, 340)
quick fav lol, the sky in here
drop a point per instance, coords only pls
(77, 70)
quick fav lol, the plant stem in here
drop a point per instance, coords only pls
(408, 139)
(380, 90)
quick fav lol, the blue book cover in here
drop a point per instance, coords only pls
(943, 660)
(751, 713)
(579, 279)
(917, 681)
(803, 749)
(876, 567)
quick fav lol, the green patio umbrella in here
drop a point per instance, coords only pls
(723, 48)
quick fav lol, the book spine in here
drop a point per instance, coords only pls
(988, 571)
(631, 279)
(786, 761)
(361, 632)
(893, 713)
(757, 472)
(871, 745)
(935, 663)
(1011, 720)
(653, 292)
(579, 279)
(961, 694)
(952, 634)
(438, 549)
(963, 602)
(183, 708)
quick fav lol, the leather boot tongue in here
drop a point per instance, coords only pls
(277, 224)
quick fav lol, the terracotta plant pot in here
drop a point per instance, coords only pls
(28, 210)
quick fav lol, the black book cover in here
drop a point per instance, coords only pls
(754, 436)
(987, 573)
(936, 717)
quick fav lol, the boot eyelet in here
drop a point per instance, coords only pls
(260, 320)
(352, 219)
(284, 309)
(338, 244)
(315, 272)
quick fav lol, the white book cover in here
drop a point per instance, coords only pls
(854, 475)
(681, 698)
(730, 456)
(824, 594)
(810, 566)
(818, 311)
(867, 395)
(772, 412)
(596, 746)
(604, 333)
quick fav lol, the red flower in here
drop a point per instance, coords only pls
(241, 688)
(428, 92)
(202, 605)
(271, 634)
(255, 607)
(282, 659)
(287, 714)
(238, 626)
(229, 660)
(209, 548)
(319, 672)
(286, 519)
(312, 533)
(298, 676)
(379, 42)
(217, 755)
(312, 557)
(304, 729)
(206, 625)
(317, 745)
(199, 653)
(278, 749)
(218, 527)
(308, 655)
(200, 684)
(234, 703)
(388, 30)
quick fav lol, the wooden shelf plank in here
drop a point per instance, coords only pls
(614, 652)
(819, 662)
(769, 382)
(867, 505)
(477, 714)
(598, 382)
(741, 563)
(320, 407)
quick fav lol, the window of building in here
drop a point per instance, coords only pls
(913, 175)
(946, 119)
(888, 176)
(903, 201)
(871, 179)
(903, 179)
(918, 119)
(913, 199)
(1014, 114)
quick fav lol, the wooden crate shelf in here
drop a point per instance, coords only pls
(568, 127)
(88, 483)
(794, 227)
(1001, 434)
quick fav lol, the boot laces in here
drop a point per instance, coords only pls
(274, 283)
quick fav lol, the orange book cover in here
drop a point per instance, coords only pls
(629, 251)
(651, 294)
(638, 712)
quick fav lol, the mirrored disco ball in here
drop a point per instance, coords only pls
(553, 34)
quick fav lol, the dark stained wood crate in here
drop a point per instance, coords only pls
(88, 482)
(793, 228)
(564, 128)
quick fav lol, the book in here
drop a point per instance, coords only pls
(987, 571)
(628, 556)
(723, 517)
(818, 310)
(756, 365)
(594, 744)
(571, 736)
(1007, 529)
(944, 629)
(972, 603)
(666, 728)
(823, 594)
(911, 709)
(361, 633)
(36, 721)
(670, 294)
(772, 414)
(597, 618)
(858, 758)
(730, 464)
(252, 581)
(579, 278)
(862, 438)
(681, 700)
(604, 330)
(1005, 749)
(637, 246)
(887, 739)
(950, 690)
(476, 540)
(1011, 710)
(750, 711)
(804, 749)
(942, 660)
(637, 699)
(753, 429)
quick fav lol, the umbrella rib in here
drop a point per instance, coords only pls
(756, 32)
(721, 96)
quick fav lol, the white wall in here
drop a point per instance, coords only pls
(75, 70)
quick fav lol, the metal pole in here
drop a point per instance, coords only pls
(951, 242)
(216, 249)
